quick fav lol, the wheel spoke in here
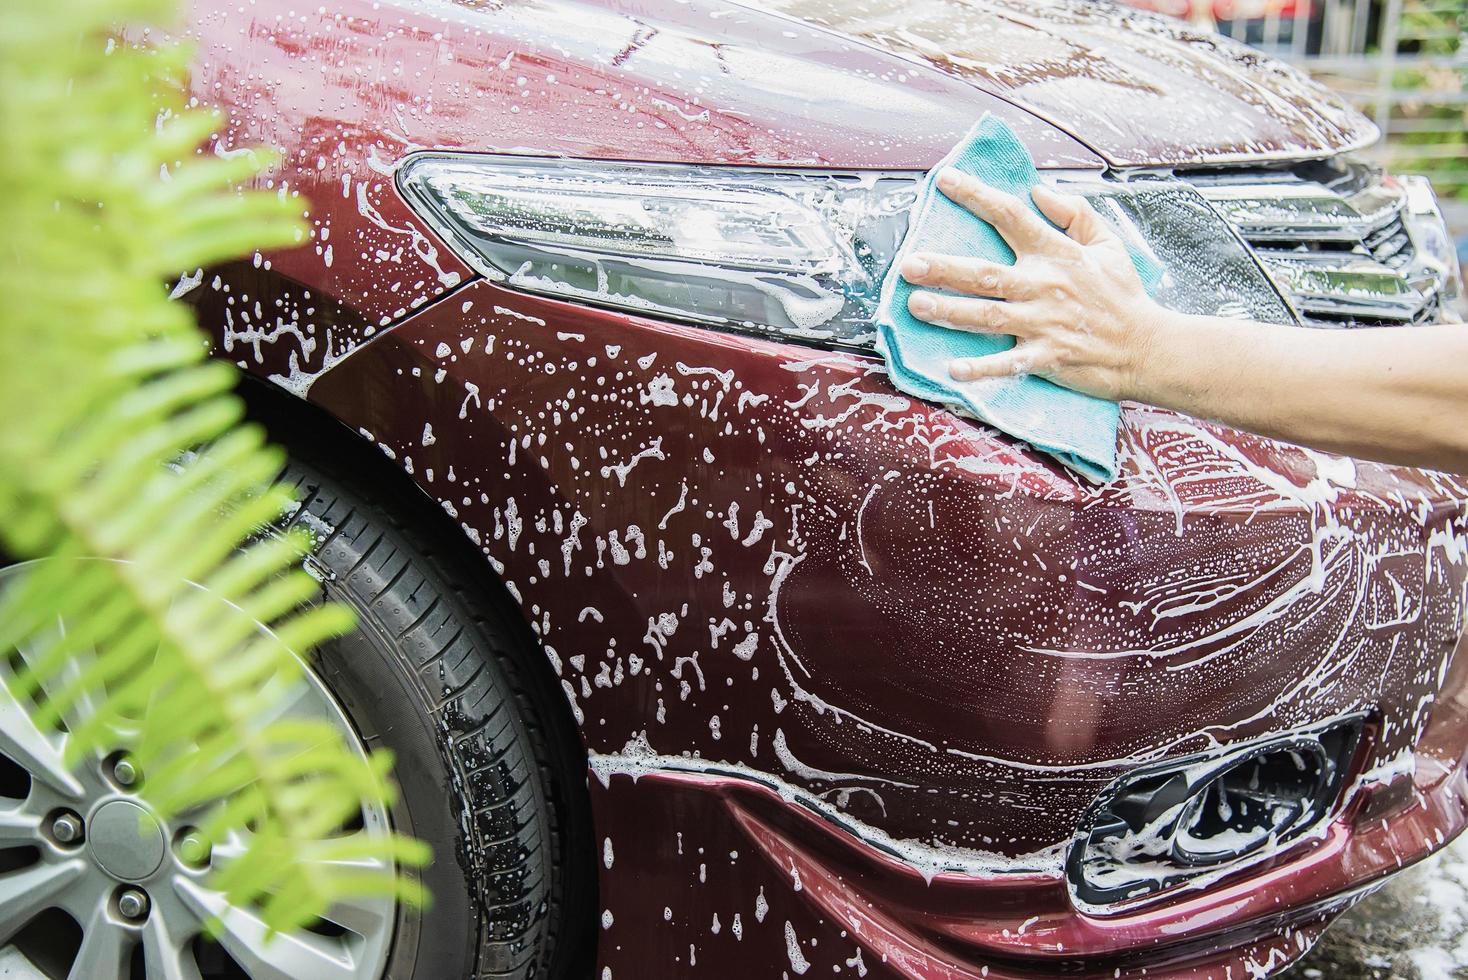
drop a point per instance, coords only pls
(104, 950)
(18, 828)
(24, 893)
(296, 699)
(29, 747)
(237, 844)
(365, 916)
(164, 954)
(286, 956)
(86, 704)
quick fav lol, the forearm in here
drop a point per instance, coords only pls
(1082, 318)
(1394, 394)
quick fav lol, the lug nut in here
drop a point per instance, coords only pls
(125, 772)
(67, 828)
(132, 903)
(192, 849)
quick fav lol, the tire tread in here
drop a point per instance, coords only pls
(418, 599)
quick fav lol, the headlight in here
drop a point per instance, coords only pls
(793, 254)
(1206, 267)
(1437, 258)
(784, 252)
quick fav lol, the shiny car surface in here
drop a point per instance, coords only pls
(864, 687)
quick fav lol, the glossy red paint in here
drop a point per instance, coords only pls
(1141, 90)
(903, 593)
(838, 629)
(847, 904)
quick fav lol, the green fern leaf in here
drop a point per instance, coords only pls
(161, 620)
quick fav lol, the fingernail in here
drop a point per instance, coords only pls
(915, 267)
(949, 179)
(921, 304)
(958, 370)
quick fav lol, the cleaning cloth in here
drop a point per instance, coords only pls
(1076, 429)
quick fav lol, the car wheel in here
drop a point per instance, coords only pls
(442, 672)
(439, 673)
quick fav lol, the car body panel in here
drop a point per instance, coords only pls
(764, 576)
(751, 879)
(343, 94)
(735, 890)
(688, 520)
(878, 589)
(1141, 90)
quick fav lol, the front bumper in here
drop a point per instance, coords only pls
(744, 855)
(752, 872)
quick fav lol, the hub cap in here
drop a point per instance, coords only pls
(79, 842)
(126, 840)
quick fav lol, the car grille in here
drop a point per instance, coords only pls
(1334, 238)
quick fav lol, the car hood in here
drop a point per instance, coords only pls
(1138, 89)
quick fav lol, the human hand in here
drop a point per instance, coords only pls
(1073, 300)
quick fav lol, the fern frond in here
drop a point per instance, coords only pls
(124, 464)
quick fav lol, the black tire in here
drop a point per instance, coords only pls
(442, 673)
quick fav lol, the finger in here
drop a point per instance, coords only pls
(963, 275)
(974, 315)
(1073, 214)
(1019, 360)
(1021, 227)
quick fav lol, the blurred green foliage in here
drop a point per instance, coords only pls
(124, 464)
(1434, 120)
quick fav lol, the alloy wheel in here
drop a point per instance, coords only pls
(94, 885)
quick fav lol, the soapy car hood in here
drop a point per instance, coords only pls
(1136, 88)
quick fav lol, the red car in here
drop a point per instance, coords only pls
(702, 650)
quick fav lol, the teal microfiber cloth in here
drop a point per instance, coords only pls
(1076, 429)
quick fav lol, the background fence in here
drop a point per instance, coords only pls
(1403, 62)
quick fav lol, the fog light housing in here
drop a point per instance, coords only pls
(1193, 819)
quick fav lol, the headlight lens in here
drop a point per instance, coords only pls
(1436, 254)
(783, 252)
(793, 254)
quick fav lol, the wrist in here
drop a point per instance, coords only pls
(1144, 349)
